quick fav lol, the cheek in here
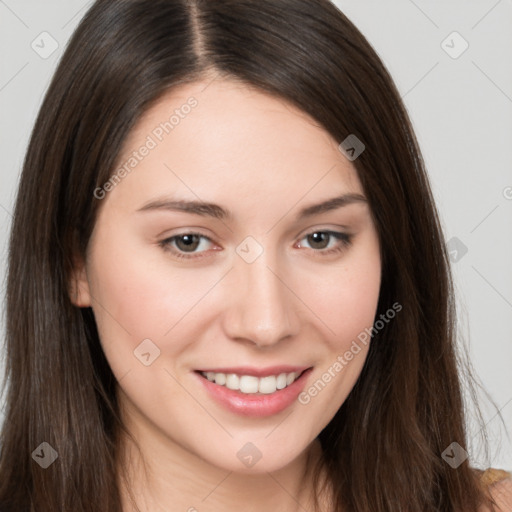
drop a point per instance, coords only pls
(148, 300)
(346, 304)
(346, 297)
(350, 307)
(139, 295)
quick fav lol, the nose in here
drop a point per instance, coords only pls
(260, 305)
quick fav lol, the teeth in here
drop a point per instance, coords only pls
(267, 384)
(220, 378)
(250, 383)
(281, 381)
(232, 381)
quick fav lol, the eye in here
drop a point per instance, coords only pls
(186, 244)
(327, 242)
(192, 245)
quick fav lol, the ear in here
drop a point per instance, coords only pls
(79, 292)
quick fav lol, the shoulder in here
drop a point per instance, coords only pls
(502, 494)
(499, 486)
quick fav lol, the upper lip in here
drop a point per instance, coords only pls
(257, 372)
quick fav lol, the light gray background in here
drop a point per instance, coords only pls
(461, 109)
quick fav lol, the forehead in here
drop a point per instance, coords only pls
(223, 136)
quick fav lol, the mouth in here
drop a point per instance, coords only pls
(248, 383)
(247, 394)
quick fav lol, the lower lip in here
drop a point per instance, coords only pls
(255, 405)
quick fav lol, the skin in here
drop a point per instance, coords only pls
(501, 492)
(263, 160)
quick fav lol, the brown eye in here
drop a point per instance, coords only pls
(187, 243)
(319, 240)
(326, 242)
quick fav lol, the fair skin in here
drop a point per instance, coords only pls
(501, 493)
(264, 161)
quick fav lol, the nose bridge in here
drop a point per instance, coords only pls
(261, 308)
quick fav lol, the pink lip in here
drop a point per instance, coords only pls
(255, 404)
(256, 372)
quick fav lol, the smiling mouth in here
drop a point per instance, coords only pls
(250, 384)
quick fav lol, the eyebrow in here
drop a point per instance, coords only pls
(218, 212)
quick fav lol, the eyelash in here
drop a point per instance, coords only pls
(344, 238)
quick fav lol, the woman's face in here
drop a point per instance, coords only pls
(211, 252)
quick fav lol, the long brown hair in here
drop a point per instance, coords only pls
(383, 447)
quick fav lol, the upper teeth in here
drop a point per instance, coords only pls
(250, 383)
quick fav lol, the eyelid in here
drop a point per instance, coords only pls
(324, 228)
(187, 230)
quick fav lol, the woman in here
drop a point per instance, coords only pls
(227, 279)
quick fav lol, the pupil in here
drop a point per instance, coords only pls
(187, 242)
(321, 239)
